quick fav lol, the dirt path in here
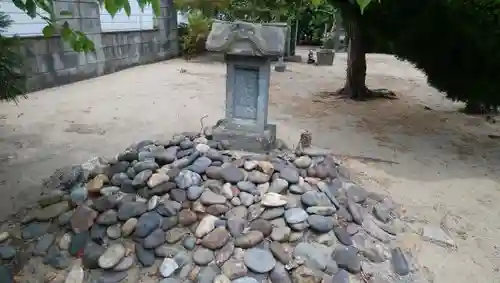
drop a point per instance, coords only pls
(448, 171)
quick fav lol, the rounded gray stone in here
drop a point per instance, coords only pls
(259, 260)
(295, 215)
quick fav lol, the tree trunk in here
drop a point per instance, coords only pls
(355, 85)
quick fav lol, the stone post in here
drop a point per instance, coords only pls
(248, 49)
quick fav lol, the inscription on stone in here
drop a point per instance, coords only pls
(245, 92)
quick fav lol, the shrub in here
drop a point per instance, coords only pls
(455, 42)
(12, 80)
(195, 34)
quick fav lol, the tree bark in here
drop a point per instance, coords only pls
(355, 85)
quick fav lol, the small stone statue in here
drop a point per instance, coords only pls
(310, 58)
(304, 141)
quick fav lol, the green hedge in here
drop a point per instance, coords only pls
(455, 42)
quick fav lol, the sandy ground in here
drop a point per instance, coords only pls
(447, 170)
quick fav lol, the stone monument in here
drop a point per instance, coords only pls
(248, 50)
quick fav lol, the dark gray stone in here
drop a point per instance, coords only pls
(194, 192)
(341, 277)
(356, 193)
(381, 212)
(57, 259)
(290, 174)
(348, 259)
(343, 236)
(112, 276)
(236, 225)
(6, 274)
(119, 178)
(146, 165)
(399, 262)
(147, 223)
(189, 242)
(232, 174)
(246, 186)
(109, 217)
(7, 252)
(64, 218)
(313, 198)
(91, 255)
(178, 195)
(98, 232)
(141, 178)
(169, 223)
(145, 256)
(355, 211)
(279, 274)
(155, 239)
(272, 213)
(43, 244)
(203, 256)
(34, 230)
(321, 224)
(131, 209)
(168, 208)
(200, 165)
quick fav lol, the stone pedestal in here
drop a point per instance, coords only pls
(248, 49)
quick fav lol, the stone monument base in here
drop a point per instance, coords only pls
(245, 140)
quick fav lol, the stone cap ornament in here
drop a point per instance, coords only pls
(250, 39)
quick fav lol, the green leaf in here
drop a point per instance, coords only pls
(31, 8)
(316, 2)
(142, 4)
(19, 4)
(126, 7)
(49, 30)
(111, 7)
(65, 13)
(363, 4)
(156, 7)
(66, 31)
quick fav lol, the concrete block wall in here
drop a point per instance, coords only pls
(50, 62)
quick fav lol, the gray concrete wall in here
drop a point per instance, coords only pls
(51, 62)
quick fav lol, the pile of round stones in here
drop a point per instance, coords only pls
(189, 210)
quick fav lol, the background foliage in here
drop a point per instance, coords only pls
(455, 42)
(12, 80)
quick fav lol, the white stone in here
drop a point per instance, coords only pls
(221, 278)
(203, 148)
(273, 200)
(437, 236)
(112, 256)
(75, 275)
(65, 241)
(263, 188)
(207, 224)
(250, 165)
(4, 236)
(168, 267)
(157, 179)
(138, 198)
(153, 202)
(226, 191)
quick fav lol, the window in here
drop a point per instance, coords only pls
(121, 22)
